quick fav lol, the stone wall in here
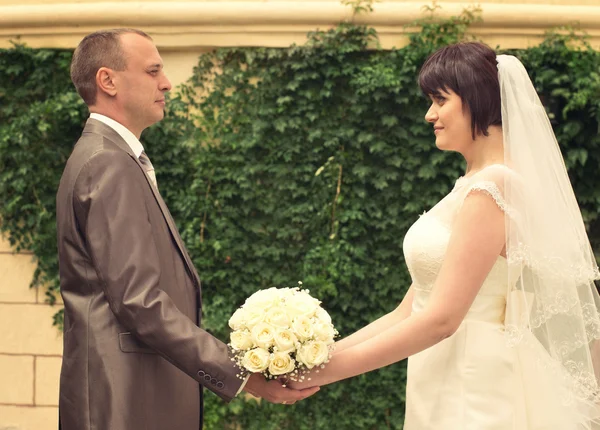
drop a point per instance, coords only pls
(30, 348)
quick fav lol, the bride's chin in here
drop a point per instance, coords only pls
(443, 146)
(440, 146)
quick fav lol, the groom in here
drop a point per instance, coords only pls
(134, 355)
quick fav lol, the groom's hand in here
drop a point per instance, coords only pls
(274, 391)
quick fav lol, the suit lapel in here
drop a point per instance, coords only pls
(98, 127)
(174, 231)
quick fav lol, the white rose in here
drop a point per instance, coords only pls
(324, 332)
(323, 315)
(281, 363)
(241, 340)
(252, 317)
(301, 304)
(256, 360)
(236, 321)
(264, 299)
(261, 295)
(262, 335)
(303, 328)
(285, 340)
(277, 317)
(313, 354)
(285, 293)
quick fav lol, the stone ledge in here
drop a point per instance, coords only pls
(177, 25)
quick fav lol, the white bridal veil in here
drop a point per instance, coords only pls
(552, 302)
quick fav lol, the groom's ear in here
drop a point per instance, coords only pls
(105, 81)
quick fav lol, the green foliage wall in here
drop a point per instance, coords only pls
(307, 163)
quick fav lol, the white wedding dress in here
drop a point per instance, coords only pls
(474, 380)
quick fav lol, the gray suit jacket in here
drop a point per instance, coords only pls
(134, 355)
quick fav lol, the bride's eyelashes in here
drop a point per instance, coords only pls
(438, 99)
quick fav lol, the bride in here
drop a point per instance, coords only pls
(501, 321)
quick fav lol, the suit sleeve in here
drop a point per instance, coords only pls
(112, 214)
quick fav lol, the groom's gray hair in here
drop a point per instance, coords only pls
(99, 49)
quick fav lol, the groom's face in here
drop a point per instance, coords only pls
(141, 87)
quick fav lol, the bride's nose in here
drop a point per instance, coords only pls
(431, 115)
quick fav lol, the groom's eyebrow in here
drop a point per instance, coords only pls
(155, 66)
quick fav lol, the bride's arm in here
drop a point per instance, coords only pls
(378, 326)
(476, 242)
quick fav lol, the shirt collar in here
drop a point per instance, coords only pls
(127, 135)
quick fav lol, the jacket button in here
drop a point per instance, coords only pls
(201, 373)
(213, 381)
(220, 385)
(207, 378)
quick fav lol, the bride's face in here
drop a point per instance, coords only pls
(451, 123)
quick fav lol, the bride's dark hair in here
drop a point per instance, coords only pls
(470, 70)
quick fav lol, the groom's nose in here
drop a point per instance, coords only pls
(165, 84)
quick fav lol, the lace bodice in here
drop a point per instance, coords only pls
(426, 241)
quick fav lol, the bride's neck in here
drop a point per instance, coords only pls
(485, 151)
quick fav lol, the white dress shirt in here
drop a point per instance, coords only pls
(122, 131)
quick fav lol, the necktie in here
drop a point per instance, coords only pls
(148, 167)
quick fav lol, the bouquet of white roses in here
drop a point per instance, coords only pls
(281, 332)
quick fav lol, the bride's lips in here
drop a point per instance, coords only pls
(437, 129)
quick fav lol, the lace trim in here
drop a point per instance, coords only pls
(585, 383)
(581, 384)
(559, 298)
(553, 267)
(565, 348)
(561, 304)
(490, 188)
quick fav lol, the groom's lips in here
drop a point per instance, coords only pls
(162, 102)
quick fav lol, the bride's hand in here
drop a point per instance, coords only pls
(302, 384)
